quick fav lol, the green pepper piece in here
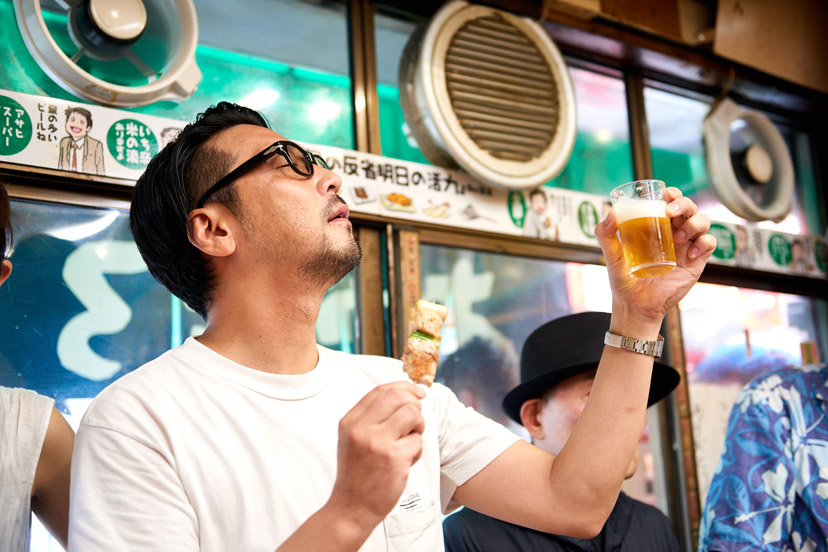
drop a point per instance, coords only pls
(420, 335)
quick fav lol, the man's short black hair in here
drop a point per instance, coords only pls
(80, 111)
(168, 190)
(5, 221)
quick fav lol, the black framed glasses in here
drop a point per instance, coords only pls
(298, 159)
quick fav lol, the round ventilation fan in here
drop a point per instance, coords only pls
(115, 52)
(748, 163)
(488, 91)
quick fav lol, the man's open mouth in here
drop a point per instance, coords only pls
(340, 214)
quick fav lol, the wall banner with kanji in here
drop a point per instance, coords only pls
(44, 132)
(77, 137)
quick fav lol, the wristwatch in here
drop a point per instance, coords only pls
(651, 348)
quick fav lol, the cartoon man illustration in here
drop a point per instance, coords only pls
(537, 225)
(799, 261)
(78, 151)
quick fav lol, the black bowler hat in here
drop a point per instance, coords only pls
(566, 347)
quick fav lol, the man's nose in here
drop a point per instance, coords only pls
(329, 183)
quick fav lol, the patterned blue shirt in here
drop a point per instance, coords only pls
(770, 490)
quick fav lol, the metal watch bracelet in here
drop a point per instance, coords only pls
(651, 348)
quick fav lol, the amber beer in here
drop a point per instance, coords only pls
(644, 228)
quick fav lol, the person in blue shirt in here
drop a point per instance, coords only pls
(770, 489)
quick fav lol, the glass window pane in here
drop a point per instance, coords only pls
(601, 158)
(336, 327)
(730, 336)
(81, 309)
(391, 34)
(677, 150)
(495, 301)
(304, 92)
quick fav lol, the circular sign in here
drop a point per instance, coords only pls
(587, 218)
(725, 241)
(517, 208)
(15, 127)
(131, 143)
(821, 255)
(780, 249)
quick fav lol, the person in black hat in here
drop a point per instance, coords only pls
(557, 368)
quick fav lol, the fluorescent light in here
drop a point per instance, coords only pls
(323, 112)
(603, 136)
(260, 98)
(77, 232)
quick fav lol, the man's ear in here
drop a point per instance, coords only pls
(5, 270)
(212, 230)
(530, 413)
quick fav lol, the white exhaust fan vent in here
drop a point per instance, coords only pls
(488, 91)
(748, 163)
(121, 53)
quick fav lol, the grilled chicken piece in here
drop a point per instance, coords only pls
(422, 347)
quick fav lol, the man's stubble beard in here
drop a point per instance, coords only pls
(329, 265)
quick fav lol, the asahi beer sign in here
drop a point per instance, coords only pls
(81, 138)
(69, 136)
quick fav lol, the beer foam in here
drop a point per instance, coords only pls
(627, 208)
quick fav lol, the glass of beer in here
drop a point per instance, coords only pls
(644, 228)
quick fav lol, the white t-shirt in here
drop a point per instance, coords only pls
(24, 419)
(195, 452)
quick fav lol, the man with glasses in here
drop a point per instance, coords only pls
(253, 437)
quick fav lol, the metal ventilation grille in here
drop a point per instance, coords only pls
(489, 92)
(502, 89)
